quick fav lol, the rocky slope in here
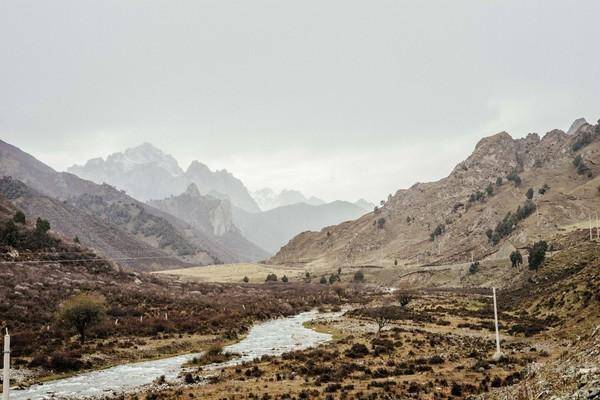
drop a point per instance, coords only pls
(213, 217)
(468, 211)
(272, 229)
(114, 208)
(72, 222)
(146, 173)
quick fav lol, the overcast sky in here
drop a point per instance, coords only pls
(339, 99)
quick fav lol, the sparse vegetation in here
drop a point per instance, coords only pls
(581, 166)
(544, 189)
(537, 254)
(582, 140)
(516, 258)
(19, 217)
(514, 178)
(359, 276)
(529, 194)
(474, 267)
(81, 312)
(438, 231)
(489, 189)
(509, 222)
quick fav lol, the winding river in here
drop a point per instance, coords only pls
(272, 337)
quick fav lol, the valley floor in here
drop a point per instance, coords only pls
(439, 346)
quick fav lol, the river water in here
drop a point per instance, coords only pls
(272, 337)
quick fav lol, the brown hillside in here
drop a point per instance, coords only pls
(401, 229)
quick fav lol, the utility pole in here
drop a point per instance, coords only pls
(498, 353)
(597, 227)
(591, 232)
(6, 372)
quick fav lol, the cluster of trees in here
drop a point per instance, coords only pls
(333, 278)
(477, 196)
(581, 166)
(438, 231)
(15, 234)
(271, 278)
(510, 221)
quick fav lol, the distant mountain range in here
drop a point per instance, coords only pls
(272, 229)
(141, 208)
(147, 173)
(267, 199)
(111, 221)
(216, 203)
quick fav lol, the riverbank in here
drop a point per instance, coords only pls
(440, 345)
(270, 338)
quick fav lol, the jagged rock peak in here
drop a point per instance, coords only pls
(192, 190)
(498, 138)
(576, 125)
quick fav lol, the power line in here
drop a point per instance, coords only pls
(88, 259)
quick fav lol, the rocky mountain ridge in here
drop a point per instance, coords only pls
(113, 208)
(147, 173)
(468, 211)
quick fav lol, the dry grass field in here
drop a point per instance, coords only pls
(235, 273)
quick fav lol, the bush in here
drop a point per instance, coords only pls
(474, 267)
(581, 166)
(358, 350)
(333, 278)
(529, 194)
(404, 300)
(19, 217)
(544, 189)
(42, 226)
(359, 276)
(514, 178)
(246, 280)
(537, 254)
(516, 258)
(438, 231)
(284, 279)
(271, 278)
(82, 311)
(380, 223)
(323, 281)
(498, 181)
(489, 189)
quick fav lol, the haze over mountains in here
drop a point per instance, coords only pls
(219, 202)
